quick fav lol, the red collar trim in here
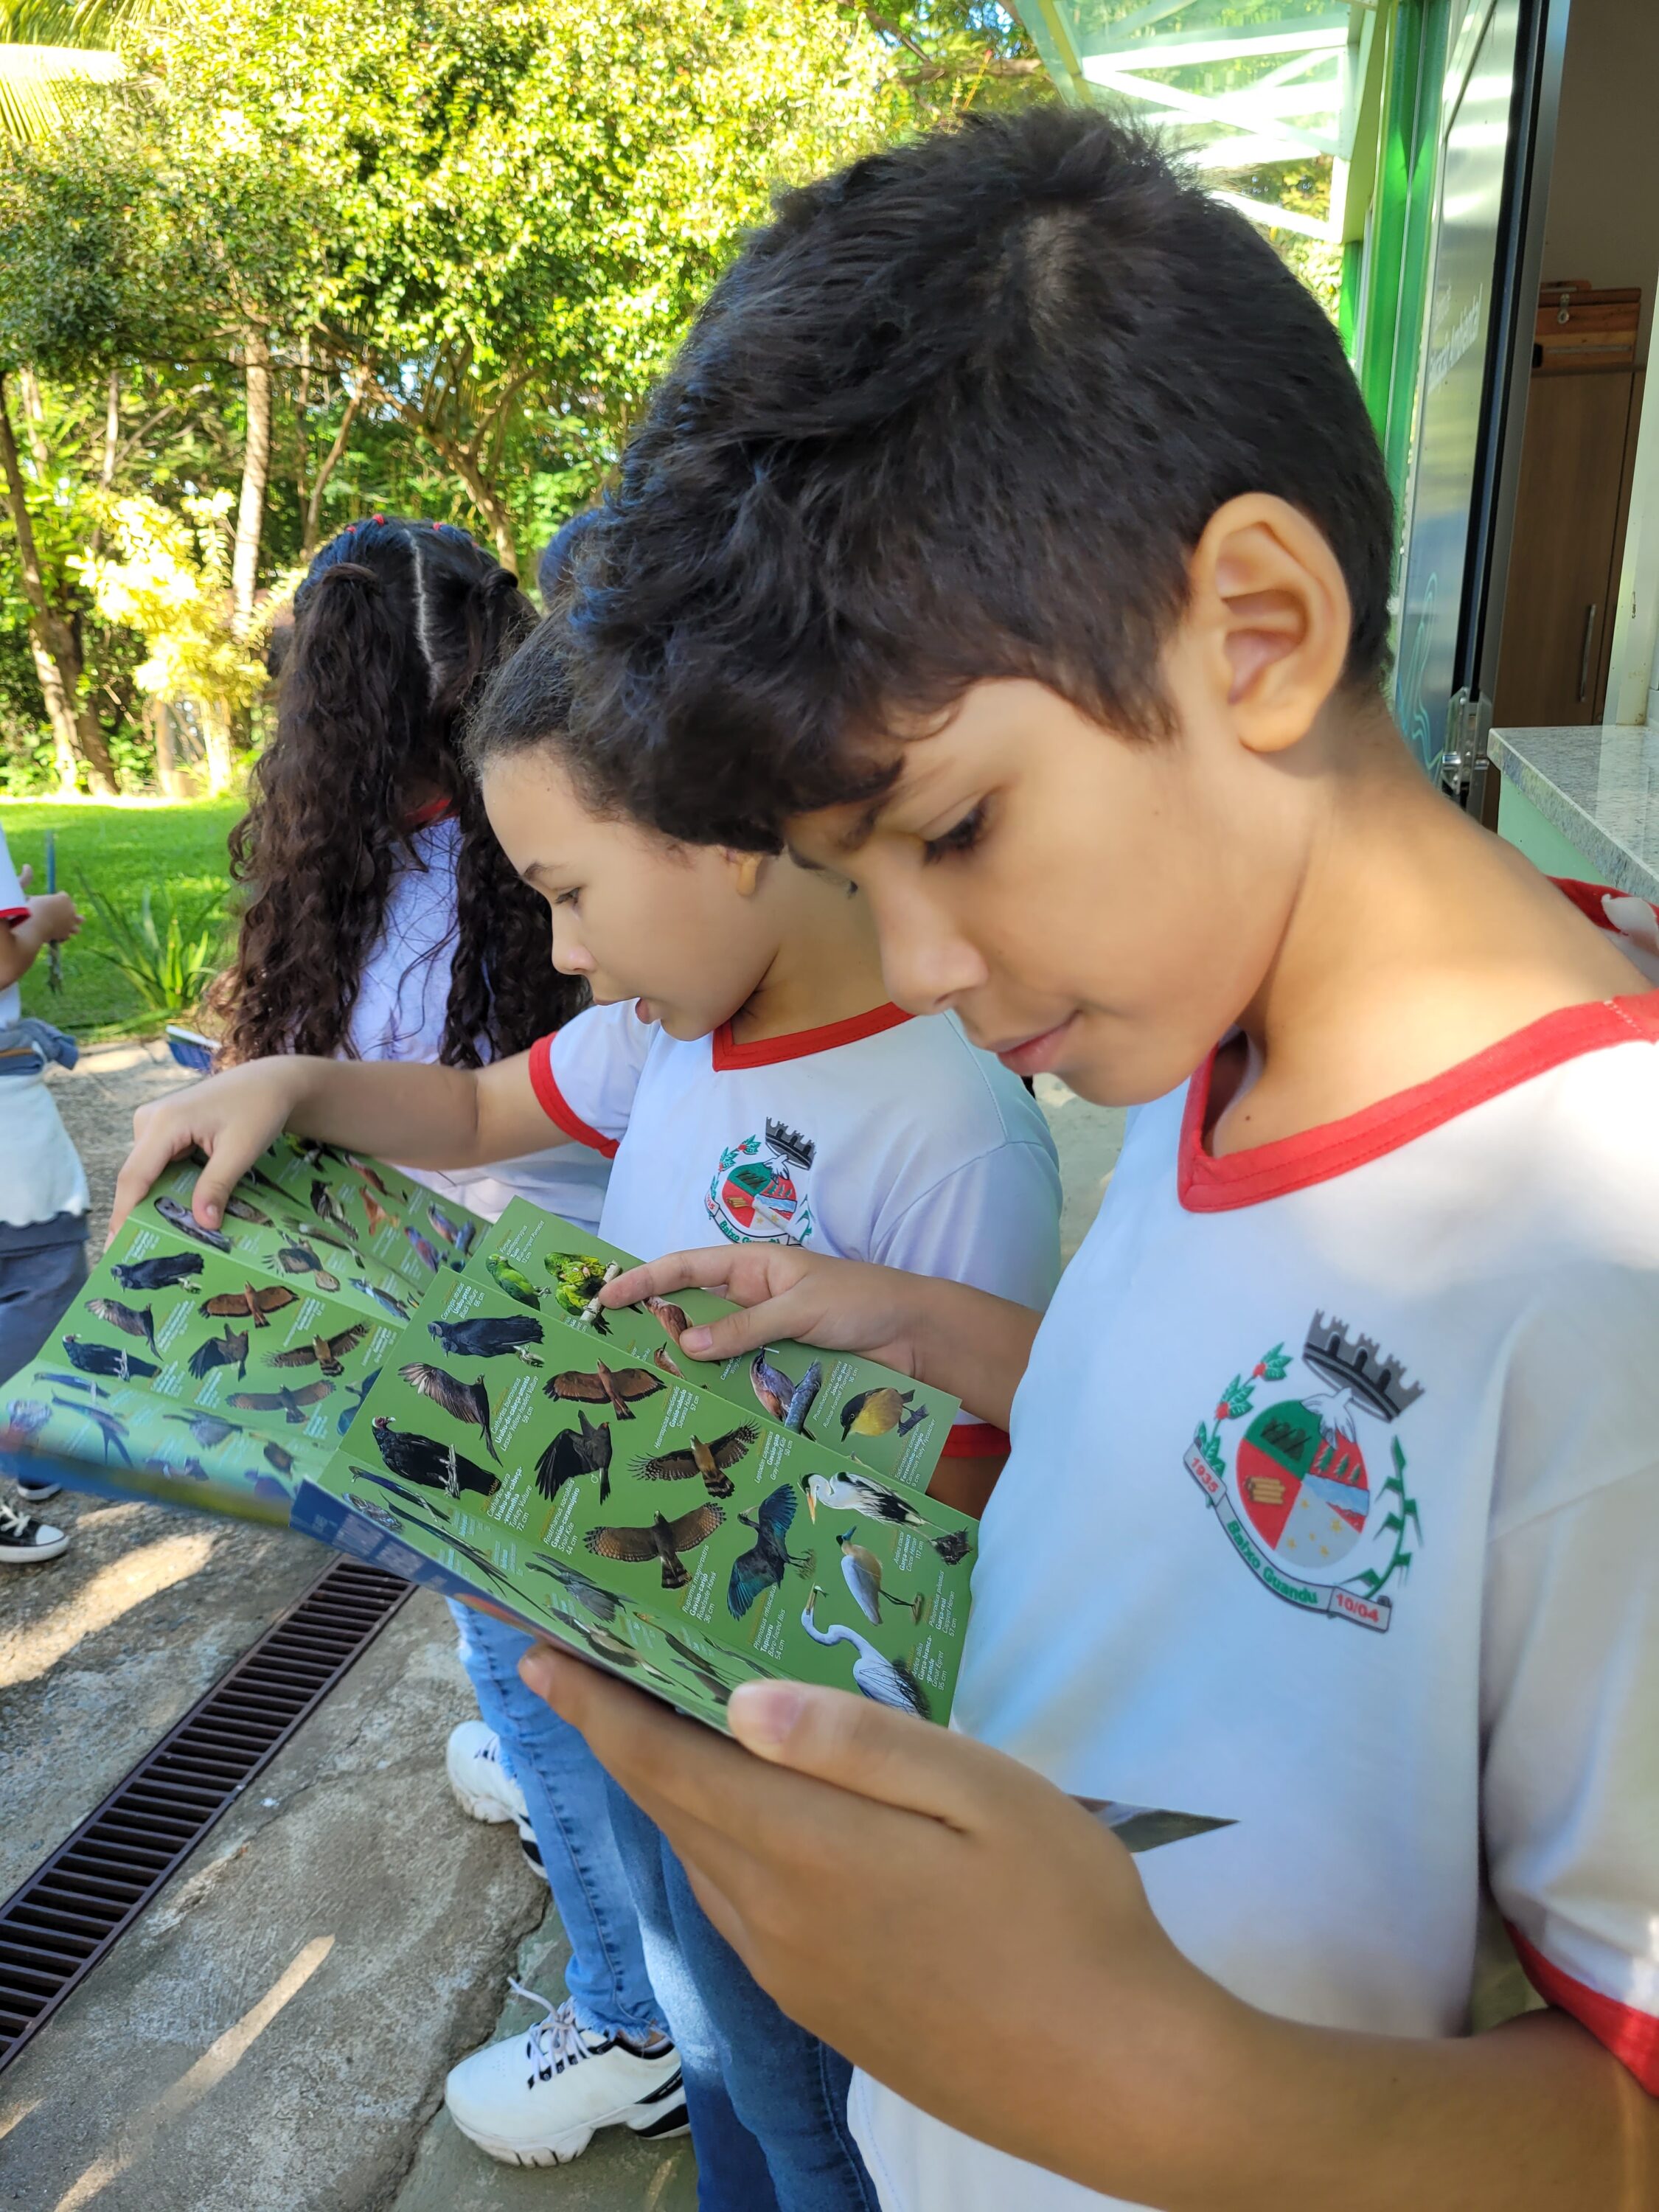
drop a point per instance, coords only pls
(1218, 1186)
(729, 1055)
(422, 817)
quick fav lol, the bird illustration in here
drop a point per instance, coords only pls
(369, 1173)
(857, 1493)
(74, 1382)
(249, 1304)
(761, 1568)
(506, 1277)
(487, 1336)
(325, 1352)
(887, 1681)
(878, 1412)
(107, 1359)
(327, 1207)
(663, 1358)
(395, 1306)
(609, 1647)
(673, 1318)
(663, 1540)
(358, 1393)
(229, 1350)
(181, 1219)
(462, 1401)
(710, 1460)
(133, 1321)
(411, 1498)
(290, 1403)
(860, 1570)
(240, 1210)
(574, 1453)
(208, 1430)
(578, 1279)
(424, 1252)
(611, 1386)
(457, 1235)
(161, 1274)
(110, 1426)
(786, 1401)
(193, 1466)
(371, 1508)
(268, 1487)
(702, 1666)
(297, 1258)
(378, 1216)
(423, 1460)
(604, 1605)
(26, 1416)
(280, 1457)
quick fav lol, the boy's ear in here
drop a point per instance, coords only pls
(1268, 611)
(745, 869)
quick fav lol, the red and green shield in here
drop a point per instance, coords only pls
(1307, 1494)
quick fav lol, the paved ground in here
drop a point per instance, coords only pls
(273, 2035)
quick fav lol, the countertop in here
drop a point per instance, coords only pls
(1600, 788)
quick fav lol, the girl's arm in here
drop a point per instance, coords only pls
(51, 919)
(420, 1116)
(945, 1335)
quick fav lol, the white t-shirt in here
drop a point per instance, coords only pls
(402, 999)
(40, 1170)
(885, 1137)
(1334, 1510)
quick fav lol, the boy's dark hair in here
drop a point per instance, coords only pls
(396, 628)
(961, 411)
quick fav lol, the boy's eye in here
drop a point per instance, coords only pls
(961, 837)
(566, 898)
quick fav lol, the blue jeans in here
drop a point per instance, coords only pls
(766, 2101)
(565, 1789)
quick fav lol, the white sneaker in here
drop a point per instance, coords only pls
(536, 2099)
(36, 1494)
(24, 1541)
(484, 1787)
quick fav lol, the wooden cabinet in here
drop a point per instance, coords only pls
(1569, 540)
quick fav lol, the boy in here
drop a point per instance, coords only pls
(43, 1186)
(741, 1023)
(1011, 540)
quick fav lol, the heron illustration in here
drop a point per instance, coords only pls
(886, 1681)
(860, 1570)
(857, 1493)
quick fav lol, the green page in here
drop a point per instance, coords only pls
(862, 1410)
(597, 1496)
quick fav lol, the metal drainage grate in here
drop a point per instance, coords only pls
(56, 1928)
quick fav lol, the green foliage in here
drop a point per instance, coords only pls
(122, 848)
(168, 963)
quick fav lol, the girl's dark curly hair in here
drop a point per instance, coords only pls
(397, 626)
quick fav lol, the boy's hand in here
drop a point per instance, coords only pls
(233, 1117)
(845, 1305)
(55, 917)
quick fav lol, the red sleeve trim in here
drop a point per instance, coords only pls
(14, 914)
(1588, 898)
(976, 1440)
(556, 1107)
(1632, 2036)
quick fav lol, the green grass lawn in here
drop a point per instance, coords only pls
(178, 851)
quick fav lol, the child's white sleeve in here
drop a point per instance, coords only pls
(1571, 1689)
(14, 905)
(585, 1074)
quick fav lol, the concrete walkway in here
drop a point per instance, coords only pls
(273, 2034)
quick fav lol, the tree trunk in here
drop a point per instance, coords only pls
(256, 472)
(216, 735)
(313, 529)
(112, 427)
(75, 727)
(479, 490)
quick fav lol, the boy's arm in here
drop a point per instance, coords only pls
(417, 1116)
(1069, 2031)
(947, 1334)
(49, 921)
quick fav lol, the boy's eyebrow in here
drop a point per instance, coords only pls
(864, 827)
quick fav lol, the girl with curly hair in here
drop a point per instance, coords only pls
(382, 920)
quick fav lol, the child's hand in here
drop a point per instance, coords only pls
(55, 917)
(233, 1117)
(844, 1305)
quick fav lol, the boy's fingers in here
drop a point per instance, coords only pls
(891, 1757)
(150, 1154)
(217, 1180)
(677, 1270)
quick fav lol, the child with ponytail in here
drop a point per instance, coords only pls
(382, 922)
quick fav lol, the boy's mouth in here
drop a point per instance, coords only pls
(1039, 1054)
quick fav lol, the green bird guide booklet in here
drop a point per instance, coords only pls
(371, 1365)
